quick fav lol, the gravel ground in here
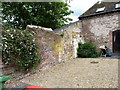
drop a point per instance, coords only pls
(78, 73)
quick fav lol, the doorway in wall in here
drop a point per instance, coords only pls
(116, 41)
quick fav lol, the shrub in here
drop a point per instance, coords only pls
(20, 49)
(86, 50)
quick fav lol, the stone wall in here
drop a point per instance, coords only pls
(96, 29)
(71, 38)
(53, 47)
(49, 45)
(62, 43)
(57, 46)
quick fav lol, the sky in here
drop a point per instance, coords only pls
(79, 7)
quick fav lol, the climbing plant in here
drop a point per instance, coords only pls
(20, 49)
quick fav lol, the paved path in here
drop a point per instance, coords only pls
(78, 73)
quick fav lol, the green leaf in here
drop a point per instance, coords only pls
(46, 14)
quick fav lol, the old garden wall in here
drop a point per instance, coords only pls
(47, 42)
(95, 29)
(61, 44)
(57, 46)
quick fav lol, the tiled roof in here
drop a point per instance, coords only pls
(101, 8)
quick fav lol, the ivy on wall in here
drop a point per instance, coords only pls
(20, 49)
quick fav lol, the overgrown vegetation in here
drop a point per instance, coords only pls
(86, 50)
(20, 49)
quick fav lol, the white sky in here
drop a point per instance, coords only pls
(79, 7)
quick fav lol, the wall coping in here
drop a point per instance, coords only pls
(38, 27)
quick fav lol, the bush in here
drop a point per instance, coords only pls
(20, 49)
(86, 50)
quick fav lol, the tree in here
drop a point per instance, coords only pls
(47, 14)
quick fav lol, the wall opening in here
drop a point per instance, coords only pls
(116, 41)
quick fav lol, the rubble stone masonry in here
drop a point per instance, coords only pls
(61, 44)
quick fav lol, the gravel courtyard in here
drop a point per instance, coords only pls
(78, 73)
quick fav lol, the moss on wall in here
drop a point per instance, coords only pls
(69, 55)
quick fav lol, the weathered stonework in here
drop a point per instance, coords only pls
(61, 44)
(47, 41)
(72, 35)
(100, 27)
(55, 47)
(97, 29)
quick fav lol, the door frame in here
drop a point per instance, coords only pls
(113, 38)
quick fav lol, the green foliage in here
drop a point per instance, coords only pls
(87, 50)
(20, 49)
(47, 14)
(62, 34)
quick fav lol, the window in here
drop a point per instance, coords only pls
(100, 9)
(117, 5)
